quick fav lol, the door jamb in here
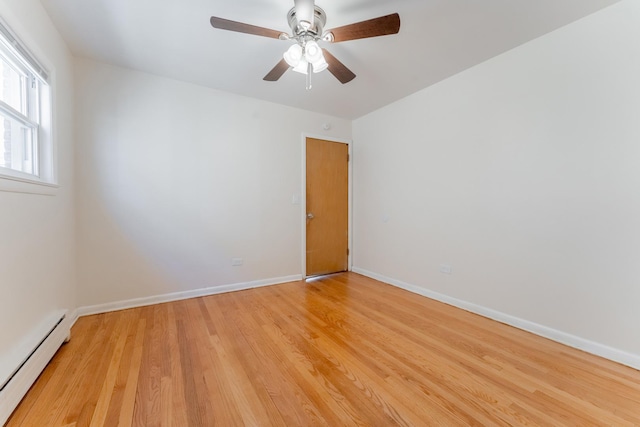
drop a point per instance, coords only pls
(303, 201)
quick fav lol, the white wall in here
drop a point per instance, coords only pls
(523, 173)
(37, 270)
(175, 180)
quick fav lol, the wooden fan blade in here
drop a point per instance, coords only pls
(337, 68)
(382, 26)
(240, 27)
(277, 71)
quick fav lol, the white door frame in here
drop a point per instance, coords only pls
(303, 212)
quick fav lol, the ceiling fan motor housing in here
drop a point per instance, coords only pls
(303, 32)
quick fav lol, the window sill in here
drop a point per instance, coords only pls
(14, 184)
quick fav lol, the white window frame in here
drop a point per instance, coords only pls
(38, 117)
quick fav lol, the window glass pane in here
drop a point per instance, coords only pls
(26, 149)
(12, 86)
(17, 146)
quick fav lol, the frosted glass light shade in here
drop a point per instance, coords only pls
(299, 58)
(320, 65)
(293, 55)
(302, 67)
(312, 52)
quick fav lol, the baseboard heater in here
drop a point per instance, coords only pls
(20, 381)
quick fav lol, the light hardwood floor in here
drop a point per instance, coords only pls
(343, 350)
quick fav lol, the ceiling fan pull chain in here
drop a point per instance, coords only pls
(309, 70)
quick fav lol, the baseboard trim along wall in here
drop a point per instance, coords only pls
(177, 296)
(616, 355)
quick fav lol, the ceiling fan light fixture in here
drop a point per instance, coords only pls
(293, 55)
(300, 58)
(312, 52)
(313, 55)
(320, 65)
(302, 67)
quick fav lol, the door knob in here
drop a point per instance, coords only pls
(310, 215)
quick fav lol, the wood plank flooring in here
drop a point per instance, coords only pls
(340, 351)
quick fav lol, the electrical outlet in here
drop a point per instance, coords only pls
(237, 262)
(445, 269)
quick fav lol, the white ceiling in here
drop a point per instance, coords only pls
(437, 39)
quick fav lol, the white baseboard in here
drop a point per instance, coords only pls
(24, 378)
(602, 350)
(177, 296)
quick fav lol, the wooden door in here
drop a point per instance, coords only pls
(327, 207)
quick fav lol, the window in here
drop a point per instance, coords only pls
(25, 113)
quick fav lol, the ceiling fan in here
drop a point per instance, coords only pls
(307, 29)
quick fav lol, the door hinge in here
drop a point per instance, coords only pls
(348, 157)
(347, 251)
